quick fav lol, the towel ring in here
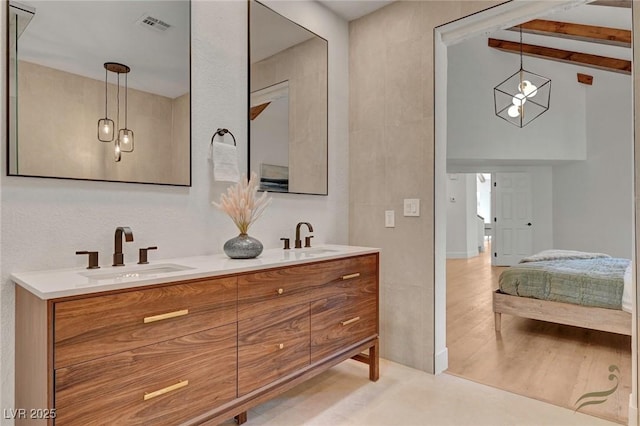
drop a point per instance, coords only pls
(222, 132)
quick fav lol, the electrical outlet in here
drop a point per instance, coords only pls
(389, 219)
(412, 207)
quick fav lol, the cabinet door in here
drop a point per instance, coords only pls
(161, 384)
(271, 346)
(93, 327)
(344, 319)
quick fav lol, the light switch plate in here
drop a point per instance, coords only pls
(412, 207)
(389, 219)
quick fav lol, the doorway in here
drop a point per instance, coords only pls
(505, 15)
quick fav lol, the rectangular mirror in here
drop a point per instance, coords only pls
(288, 105)
(100, 90)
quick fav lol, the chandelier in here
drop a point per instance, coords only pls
(523, 96)
(106, 126)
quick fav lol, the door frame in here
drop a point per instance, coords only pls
(495, 18)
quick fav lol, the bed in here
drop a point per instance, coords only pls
(590, 290)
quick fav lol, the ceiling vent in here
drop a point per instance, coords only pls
(151, 23)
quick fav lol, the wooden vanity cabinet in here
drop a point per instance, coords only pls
(193, 352)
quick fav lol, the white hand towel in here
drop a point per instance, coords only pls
(225, 162)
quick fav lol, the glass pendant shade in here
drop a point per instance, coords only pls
(513, 111)
(522, 97)
(117, 154)
(528, 89)
(105, 130)
(519, 99)
(125, 136)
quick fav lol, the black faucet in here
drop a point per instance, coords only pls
(118, 256)
(307, 239)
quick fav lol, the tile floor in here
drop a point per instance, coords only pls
(343, 396)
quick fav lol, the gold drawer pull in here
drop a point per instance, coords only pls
(166, 316)
(280, 290)
(352, 320)
(179, 385)
(281, 346)
(348, 277)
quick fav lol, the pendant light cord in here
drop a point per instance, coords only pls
(520, 26)
(118, 104)
(126, 92)
(106, 92)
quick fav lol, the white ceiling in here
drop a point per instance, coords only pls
(80, 36)
(354, 9)
(272, 33)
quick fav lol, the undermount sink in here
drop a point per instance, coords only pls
(318, 250)
(139, 271)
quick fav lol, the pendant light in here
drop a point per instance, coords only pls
(523, 96)
(106, 128)
(105, 125)
(125, 135)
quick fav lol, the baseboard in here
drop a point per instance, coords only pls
(441, 361)
(461, 254)
(633, 412)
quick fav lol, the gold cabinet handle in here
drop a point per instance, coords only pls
(168, 315)
(280, 290)
(352, 320)
(281, 346)
(179, 385)
(348, 277)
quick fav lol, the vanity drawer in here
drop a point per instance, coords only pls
(340, 321)
(161, 384)
(300, 284)
(93, 327)
(354, 277)
(263, 292)
(271, 346)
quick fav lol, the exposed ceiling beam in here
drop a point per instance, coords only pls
(585, 79)
(575, 58)
(612, 3)
(567, 30)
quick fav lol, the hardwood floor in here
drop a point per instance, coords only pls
(549, 362)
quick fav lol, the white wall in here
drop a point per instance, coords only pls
(44, 221)
(484, 198)
(462, 239)
(585, 137)
(542, 198)
(593, 199)
(475, 133)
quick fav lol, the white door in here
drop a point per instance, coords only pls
(512, 221)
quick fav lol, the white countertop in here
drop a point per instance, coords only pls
(57, 283)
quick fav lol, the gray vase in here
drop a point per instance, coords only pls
(243, 247)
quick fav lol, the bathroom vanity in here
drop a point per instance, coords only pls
(189, 341)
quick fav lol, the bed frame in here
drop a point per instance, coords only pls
(602, 319)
